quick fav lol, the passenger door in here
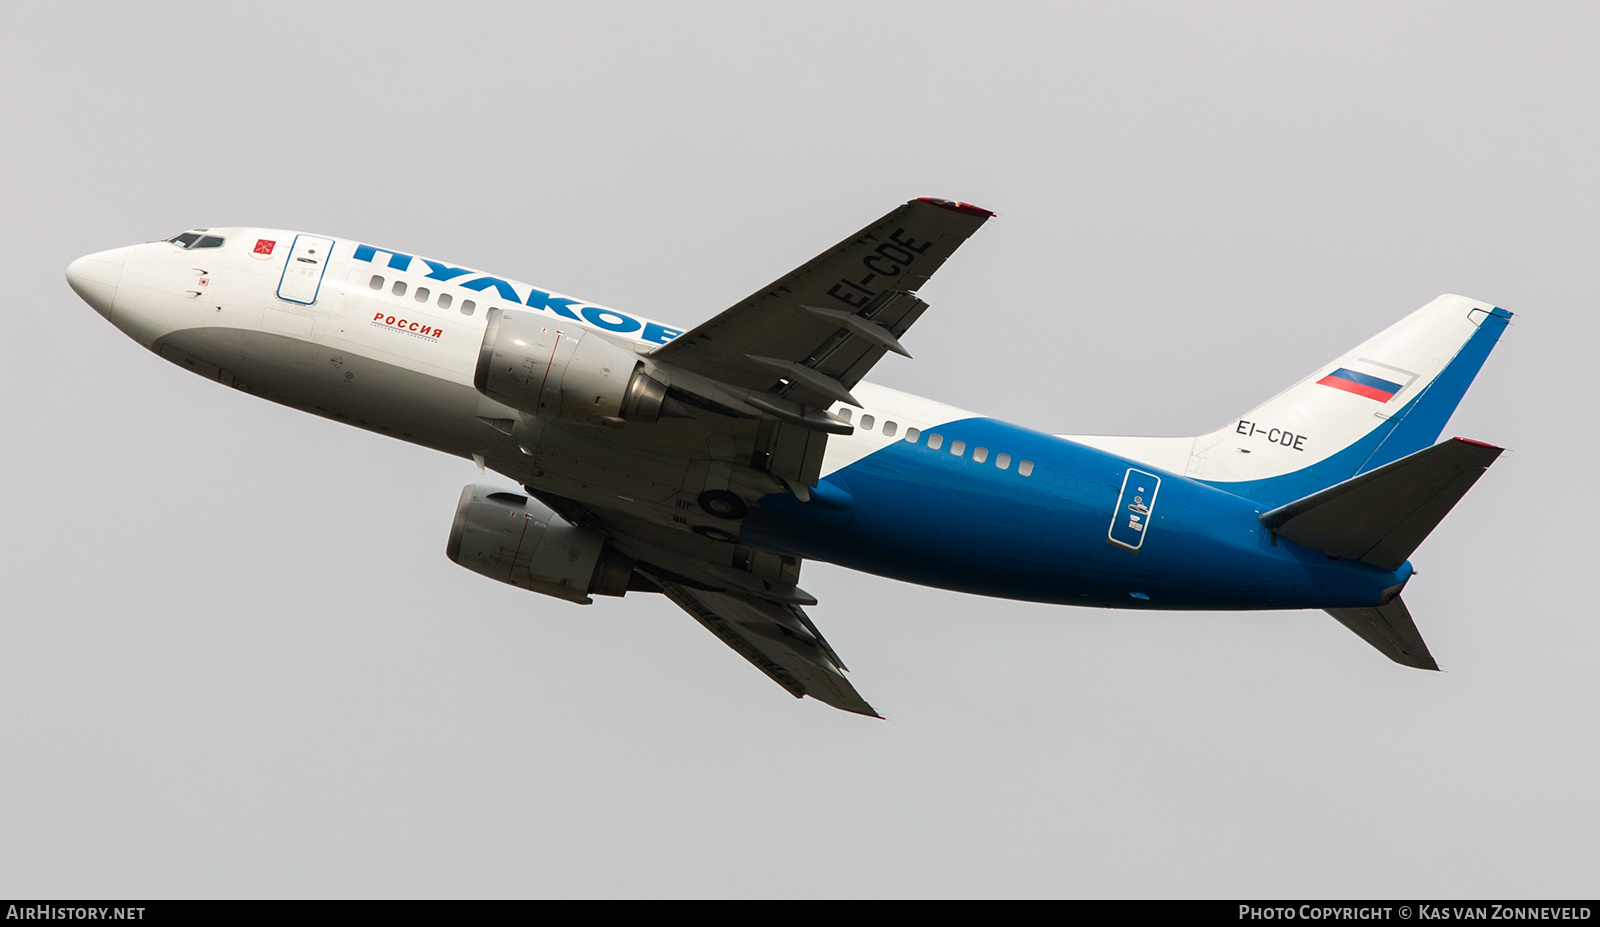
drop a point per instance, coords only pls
(302, 274)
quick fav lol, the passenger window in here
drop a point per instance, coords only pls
(1025, 468)
(210, 241)
(444, 300)
(422, 294)
(935, 441)
(399, 288)
(912, 434)
(845, 413)
(376, 283)
(867, 422)
(467, 306)
(980, 454)
(958, 447)
(888, 429)
(1003, 461)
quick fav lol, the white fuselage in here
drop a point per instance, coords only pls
(377, 341)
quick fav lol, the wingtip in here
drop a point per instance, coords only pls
(956, 206)
(847, 700)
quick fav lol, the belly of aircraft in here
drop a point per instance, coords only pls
(1203, 549)
(339, 384)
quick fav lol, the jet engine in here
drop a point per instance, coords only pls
(509, 537)
(535, 363)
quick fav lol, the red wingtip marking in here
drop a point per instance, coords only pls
(954, 206)
(1479, 443)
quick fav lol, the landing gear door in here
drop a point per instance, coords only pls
(1136, 505)
(302, 275)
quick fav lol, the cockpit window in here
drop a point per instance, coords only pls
(196, 238)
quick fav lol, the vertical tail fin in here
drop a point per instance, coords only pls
(1383, 400)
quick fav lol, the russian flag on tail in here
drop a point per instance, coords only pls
(1362, 384)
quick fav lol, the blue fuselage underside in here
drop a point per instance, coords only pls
(934, 518)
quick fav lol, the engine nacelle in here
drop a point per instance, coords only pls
(512, 538)
(530, 362)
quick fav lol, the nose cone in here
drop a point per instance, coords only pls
(94, 277)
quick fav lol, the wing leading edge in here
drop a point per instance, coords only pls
(811, 335)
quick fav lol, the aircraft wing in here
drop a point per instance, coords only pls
(778, 638)
(767, 369)
(815, 332)
(756, 611)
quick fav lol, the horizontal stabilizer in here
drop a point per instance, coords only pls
(1382, 515)
(1390, 629)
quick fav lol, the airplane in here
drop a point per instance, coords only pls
(708, 463)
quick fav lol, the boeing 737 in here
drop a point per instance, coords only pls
(707, 464)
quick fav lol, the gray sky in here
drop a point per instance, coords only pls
(235, 661)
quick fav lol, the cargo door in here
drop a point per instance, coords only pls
(1136, 505)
